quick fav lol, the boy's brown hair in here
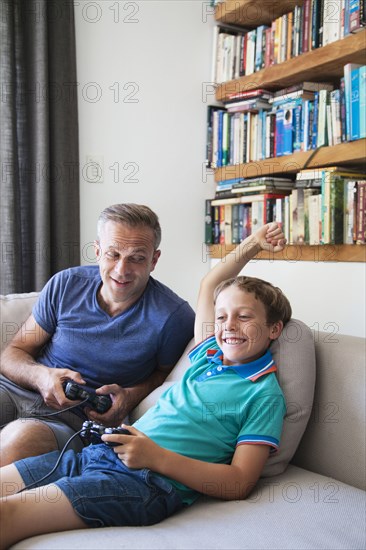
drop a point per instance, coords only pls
(276, 304)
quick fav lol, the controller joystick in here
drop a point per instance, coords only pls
(92, 433)
(100, 403)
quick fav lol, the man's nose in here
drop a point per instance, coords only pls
(121, 266)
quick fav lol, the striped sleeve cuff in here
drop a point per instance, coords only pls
(250, 439)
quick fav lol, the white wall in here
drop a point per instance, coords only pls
(327, 296)
(161, 52)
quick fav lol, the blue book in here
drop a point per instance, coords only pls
(219, 147)
(346, 17)
(280, 115)
(314, 137)
(259, 48)
(347, 69)
(288, 131)
(298, 129)
(362, 79)
(355, 104)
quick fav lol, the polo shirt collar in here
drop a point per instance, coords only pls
(249, 371)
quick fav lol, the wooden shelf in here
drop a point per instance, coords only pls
(323, 64)
(352, 154)
(302, 253)
(252, 13)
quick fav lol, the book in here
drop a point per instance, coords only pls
(208, 222)
(360, 212)
(347, 69)
(355, 103)
(362, 106)
(314, 207)
(349, 211)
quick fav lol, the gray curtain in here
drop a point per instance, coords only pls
(39, 223)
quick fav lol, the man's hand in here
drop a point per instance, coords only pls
(121, 406)
(136, 450)
(50, 386)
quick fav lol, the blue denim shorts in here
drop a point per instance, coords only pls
(102, 490)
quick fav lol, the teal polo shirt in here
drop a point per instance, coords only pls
(215, 408)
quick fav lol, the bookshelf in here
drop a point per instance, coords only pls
(324, 64)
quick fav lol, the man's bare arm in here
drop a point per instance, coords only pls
(19, 364)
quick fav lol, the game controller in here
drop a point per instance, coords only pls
(100, 403)
(92, 433)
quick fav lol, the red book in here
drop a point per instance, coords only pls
(306, 23)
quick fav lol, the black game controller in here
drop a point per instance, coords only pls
(100, 403)
(92, 433)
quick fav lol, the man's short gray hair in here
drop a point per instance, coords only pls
(133, 215)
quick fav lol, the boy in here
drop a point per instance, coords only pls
(211, 433)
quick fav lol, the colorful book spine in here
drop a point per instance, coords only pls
(362, 106)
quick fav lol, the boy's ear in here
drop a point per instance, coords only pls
(276, 330)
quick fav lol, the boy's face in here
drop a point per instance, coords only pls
(242, 331)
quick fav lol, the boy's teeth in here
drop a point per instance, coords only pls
(232, 341)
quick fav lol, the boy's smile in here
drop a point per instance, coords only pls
(242, 331)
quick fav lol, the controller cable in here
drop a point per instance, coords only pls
(47, 414)
(30, 485)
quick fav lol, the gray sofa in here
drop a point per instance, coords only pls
(312, 494)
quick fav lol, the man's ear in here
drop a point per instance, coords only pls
(276, 330)
(97, 250)
(155, 258)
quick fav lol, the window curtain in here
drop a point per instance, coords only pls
(39, 202)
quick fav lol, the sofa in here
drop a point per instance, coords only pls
(311, 494)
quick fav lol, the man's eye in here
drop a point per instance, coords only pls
(112, 255)
(137, 259)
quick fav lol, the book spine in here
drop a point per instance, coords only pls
(355, 104)
(349, 211)
(354, 15)
(361, 207)
(208, 222)
(362, 95)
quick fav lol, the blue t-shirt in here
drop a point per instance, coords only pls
(124, 349)
(215, 408)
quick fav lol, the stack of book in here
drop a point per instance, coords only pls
(259, 124)
(323, 206)
(316, 23)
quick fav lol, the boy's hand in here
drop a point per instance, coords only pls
(270, 237)
(135, 450)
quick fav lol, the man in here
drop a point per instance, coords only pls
(115, 330)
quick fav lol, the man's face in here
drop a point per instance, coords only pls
(126, 257)
(242, 331)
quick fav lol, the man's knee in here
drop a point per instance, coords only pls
(25, 437)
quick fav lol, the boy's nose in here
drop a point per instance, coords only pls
(230, 324)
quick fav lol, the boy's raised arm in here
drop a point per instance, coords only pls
(269, 237)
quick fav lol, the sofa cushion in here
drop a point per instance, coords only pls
(14, 310)
(294, 354)
(298, 509)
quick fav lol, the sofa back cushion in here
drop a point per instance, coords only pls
(14, 310)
